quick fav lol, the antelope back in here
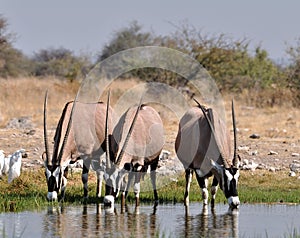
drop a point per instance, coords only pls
(147, 137)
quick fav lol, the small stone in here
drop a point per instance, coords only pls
(272, 169)
(255, 152)
(292, 174)
(245, 161)
(271, 152)
(295, 167)
(295, 154)
(243, 148)
(254, 136)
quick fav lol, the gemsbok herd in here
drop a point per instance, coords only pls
(122, 150)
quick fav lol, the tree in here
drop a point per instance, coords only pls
(126, 38)
(294, 66)
(12, 61)
(60, 62)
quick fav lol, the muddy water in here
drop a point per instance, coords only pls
(164, 221)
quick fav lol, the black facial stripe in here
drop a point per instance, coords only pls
(230, 189)
(51, 184)
(51, 181)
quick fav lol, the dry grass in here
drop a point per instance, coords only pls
(25, 96)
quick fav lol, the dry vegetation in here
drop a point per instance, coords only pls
(278, 127)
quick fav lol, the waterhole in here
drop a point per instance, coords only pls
(169, 220)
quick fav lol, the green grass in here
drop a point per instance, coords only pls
(29, 190)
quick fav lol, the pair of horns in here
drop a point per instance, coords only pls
(224, 159)
(119, 157)
(48, 162)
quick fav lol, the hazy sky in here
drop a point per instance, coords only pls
(88, 25)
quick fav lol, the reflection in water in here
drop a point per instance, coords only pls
(167, 220)
(209, 225)
(95, 222)
(92, 221)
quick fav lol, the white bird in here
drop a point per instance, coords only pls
(15, 165)
(5, 168)
(1, 161)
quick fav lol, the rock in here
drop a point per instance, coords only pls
(295, 167)
(20, 123)
(243, 148)
(254, 136)
(245, 162)
(250, 166)
(272, 169)
(271, 152)
(295, 154)
(30, 132)
(292, 174)
(254, 152)
(261, 166)
(164, 155)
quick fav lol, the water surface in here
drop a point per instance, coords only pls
(165, 221)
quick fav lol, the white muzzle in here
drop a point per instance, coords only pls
(234, 202)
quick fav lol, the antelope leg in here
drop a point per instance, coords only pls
(153, 180)
(213, 190)
(188, 179)
(202, 181)
(137, 188)
(85, 177)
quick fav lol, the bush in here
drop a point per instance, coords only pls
(61, 63)
(12, 62)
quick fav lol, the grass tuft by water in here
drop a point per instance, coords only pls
(30, 189)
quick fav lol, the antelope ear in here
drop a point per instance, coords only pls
(239, 161)
(44, 156)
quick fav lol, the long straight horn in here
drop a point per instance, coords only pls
(213, 133)
(45, 130)
(129, 133)
(108, 165)
(235, 159)
(68, 130)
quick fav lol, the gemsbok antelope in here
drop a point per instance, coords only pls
(132, 151)
(88, 145)
(203, 145)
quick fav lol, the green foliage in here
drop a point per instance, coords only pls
(230, 62)
(12, 62)
(61, 63)
(293, 68)
(126, 38)
(227, 60)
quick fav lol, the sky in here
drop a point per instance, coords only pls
(86, 26)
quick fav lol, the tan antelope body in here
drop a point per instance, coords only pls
(136, 143)
(203, 145)
(79, 135)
